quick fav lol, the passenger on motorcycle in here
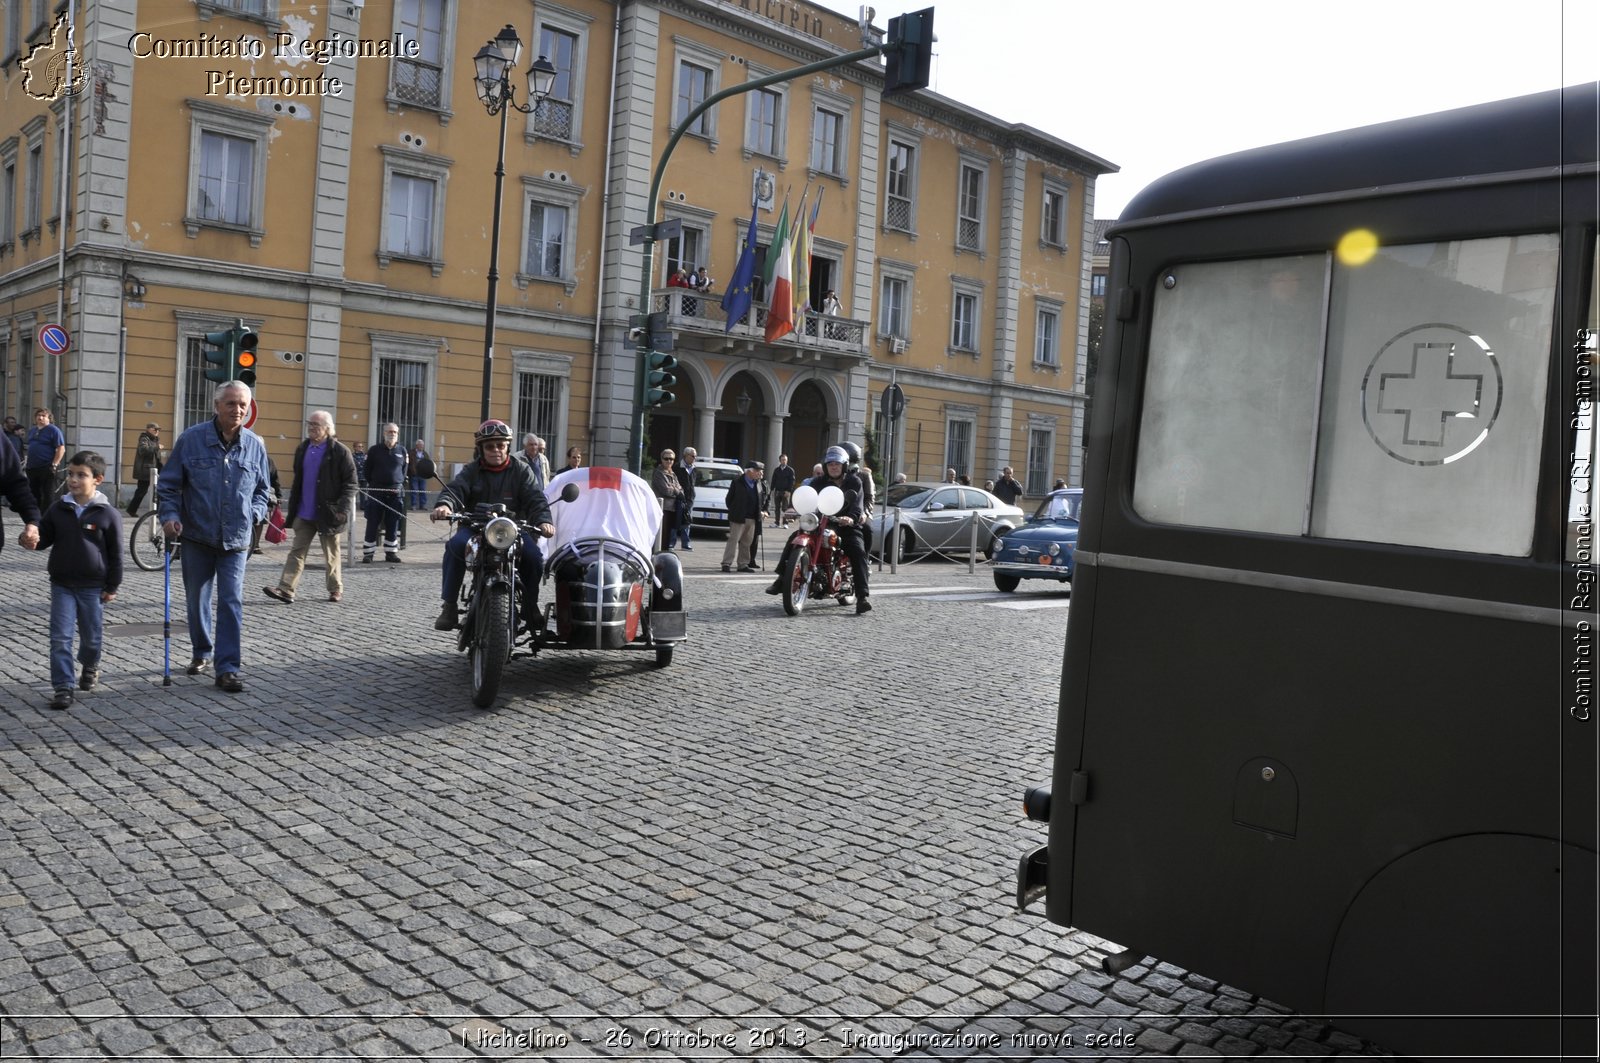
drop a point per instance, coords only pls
(492, 478)
(848, 523)
(869, 491)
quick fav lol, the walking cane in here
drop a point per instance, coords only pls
(168, 546)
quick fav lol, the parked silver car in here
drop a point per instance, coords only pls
(940, 517)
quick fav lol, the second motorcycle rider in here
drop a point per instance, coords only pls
(492, 478)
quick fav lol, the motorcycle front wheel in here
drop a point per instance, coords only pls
(491, 646)
(796, 577)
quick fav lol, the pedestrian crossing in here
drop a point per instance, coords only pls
(1052, 598)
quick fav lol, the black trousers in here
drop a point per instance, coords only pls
(41, 481)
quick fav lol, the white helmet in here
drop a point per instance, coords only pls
(837, 454)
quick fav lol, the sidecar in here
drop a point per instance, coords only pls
(605, 590)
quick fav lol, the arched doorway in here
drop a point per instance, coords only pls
(738, 431)
(807, 431)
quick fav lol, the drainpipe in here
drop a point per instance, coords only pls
(605, 216)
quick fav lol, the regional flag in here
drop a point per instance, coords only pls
(802, 266)
(741, 289)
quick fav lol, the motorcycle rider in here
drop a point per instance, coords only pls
(848, 523)
(869, 491)
(493, 477)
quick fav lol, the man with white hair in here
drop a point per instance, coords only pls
(532, 456)
(213, 490)
(319, 506)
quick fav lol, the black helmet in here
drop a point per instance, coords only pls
(855, 455)
(492, 431)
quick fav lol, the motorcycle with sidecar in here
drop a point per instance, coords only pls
(605, 588)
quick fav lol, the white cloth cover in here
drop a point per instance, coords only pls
(611, 502)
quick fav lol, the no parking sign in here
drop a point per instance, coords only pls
(54, 338)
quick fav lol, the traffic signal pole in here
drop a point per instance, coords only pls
(642, 348)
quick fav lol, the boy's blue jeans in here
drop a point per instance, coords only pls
(71, 607)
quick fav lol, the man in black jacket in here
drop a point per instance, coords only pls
(15, 487)
(319, 505)
(494, 477)
(386, 488)
(744, 520)
(685, 472)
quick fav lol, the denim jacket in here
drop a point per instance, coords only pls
(218, 491)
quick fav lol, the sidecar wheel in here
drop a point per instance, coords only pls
(796, 579)
(663, 656)
(491, 647)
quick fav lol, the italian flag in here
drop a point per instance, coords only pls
(780, 312)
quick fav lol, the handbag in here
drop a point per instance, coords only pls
(275, 532)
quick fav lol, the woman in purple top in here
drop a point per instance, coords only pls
(319, 505)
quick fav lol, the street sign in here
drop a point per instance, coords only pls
(894, 402)
(671, 229)
(250, 421)
(54, 339)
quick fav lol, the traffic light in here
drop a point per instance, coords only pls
(658, 378)
(910, 54)
(245, 357)
(218, 350)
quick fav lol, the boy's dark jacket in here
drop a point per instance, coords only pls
(88, 548)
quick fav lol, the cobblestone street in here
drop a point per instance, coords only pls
(797, 841)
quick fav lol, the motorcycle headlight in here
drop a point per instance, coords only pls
(809, 522)
(500, 533)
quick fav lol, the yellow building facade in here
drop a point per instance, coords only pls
(325, 173)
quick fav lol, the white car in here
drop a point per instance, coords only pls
(712, 478)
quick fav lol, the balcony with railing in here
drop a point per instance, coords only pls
(695, 313)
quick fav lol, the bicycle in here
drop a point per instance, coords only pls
(147, 542)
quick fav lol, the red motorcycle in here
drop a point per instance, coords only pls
(817, 567)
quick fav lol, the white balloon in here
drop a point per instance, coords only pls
(830, 500)
(804, 499)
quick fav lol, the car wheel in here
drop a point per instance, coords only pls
(1006, 582)
(908, 544)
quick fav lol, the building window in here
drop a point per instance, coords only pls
(13, 41)
(25, 372)
(402, 395)
(413, 197)
(959, 432)
(410, 228)
(827, 142)
(252, 8)
(538, 406)
(420, 80)
(227, 171)
(1046, 340)
(694, 87)
(1041, 445)
(895, 319)
(553, 115)
(198, 392)
(35, 187)
(766, 118)
(547, 237)
(964, 322)
(8, 204)
(549, 231)
(899, 210)
(1097, 285)
(684, 252)
(1053, 224)
(227, 176)
(969, 209)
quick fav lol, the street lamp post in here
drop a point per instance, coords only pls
(493, 82)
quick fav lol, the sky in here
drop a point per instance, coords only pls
(1153, 85)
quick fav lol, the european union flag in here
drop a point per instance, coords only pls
(741, 289)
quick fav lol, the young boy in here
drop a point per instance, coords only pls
(85, 571)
